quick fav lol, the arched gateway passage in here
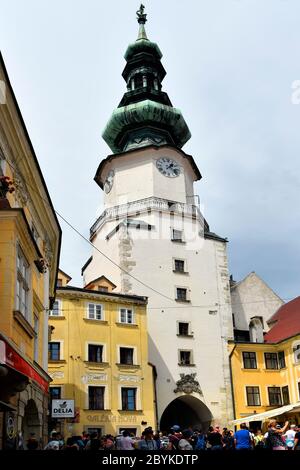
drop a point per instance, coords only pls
(31, 422)
(186, 411)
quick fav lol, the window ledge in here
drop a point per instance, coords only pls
(57, 317)
(100, 411)
(130, 411)
(186, 365)
(182, 301)
(185, 336)
(57, 361)
(132, 325)
(272, 370)
(177, 241)
(128, 366)
(180, 272)
(90, 320)
(19, 317)
(96, 364)
(252, 369)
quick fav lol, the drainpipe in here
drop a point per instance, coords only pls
(231, 382)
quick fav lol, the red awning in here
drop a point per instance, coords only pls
(12, 359)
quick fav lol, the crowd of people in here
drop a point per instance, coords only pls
(277, 437)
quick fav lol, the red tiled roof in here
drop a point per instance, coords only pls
(287, 320)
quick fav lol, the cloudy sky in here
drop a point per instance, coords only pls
(231, 67)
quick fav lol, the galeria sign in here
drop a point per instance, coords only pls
(63, 409)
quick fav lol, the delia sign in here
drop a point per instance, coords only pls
(63, 409)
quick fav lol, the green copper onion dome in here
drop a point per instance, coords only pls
(145, 115)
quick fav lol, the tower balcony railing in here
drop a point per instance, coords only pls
(145, 205)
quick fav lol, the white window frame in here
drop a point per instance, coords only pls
(128, 346)
(191, 357)
(106, 397)
(296, 350)
(185, 267)
(24, 283)
(177, 230)
(260, 395)
(95, 304)
(190, 333)
(61, 348)
(137, 398)
(126, 316)
(187, 293)
(95, 343)
(51, 314)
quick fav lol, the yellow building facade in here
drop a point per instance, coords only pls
(98, 357)
(29, 251)
(265, 377)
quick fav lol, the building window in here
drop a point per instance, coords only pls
(126, 356)
(95, 312)
(55, 393)
(96, 398)
(181, 294)
(185, 358)
(102, 289)
(22, 284)
(126, 315)
(296, 351)
(128, 399)
(274, 396)
(249, 359)
(55, 312)
(177, 235)
(253, 396)
(271, 361)
(179, 266)
(36, 339)
(285, 395)
(299, 389)
(54, 351)
(95, 353)
(281, 360)
(183, 329)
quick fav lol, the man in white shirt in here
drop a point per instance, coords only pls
(290, 436)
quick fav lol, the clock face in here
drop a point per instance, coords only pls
(168, 167)
(108, 183)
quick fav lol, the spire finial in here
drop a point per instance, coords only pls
(141, 16)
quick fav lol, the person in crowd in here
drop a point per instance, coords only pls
(53, 443)
(297, 439)
(156, 437)
(258, 440)
(185, 442)
(290, 437)
(108, 442)
(174, 437)
(60, 439)
(243, 438)
(214, 438)
(124, 441)
(147, 442)
(94, 443)
(85, 438)
(32, 443)
(71, 445)
(164, 440)
(228, 439)
(275, 433)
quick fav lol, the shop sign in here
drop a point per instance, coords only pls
(63, 409)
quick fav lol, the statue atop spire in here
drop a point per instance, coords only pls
(141, 16)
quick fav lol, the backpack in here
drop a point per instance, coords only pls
(201, 443)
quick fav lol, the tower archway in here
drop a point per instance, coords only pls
(186, 411)
(31, 421)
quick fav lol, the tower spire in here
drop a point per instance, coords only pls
(142, 18)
